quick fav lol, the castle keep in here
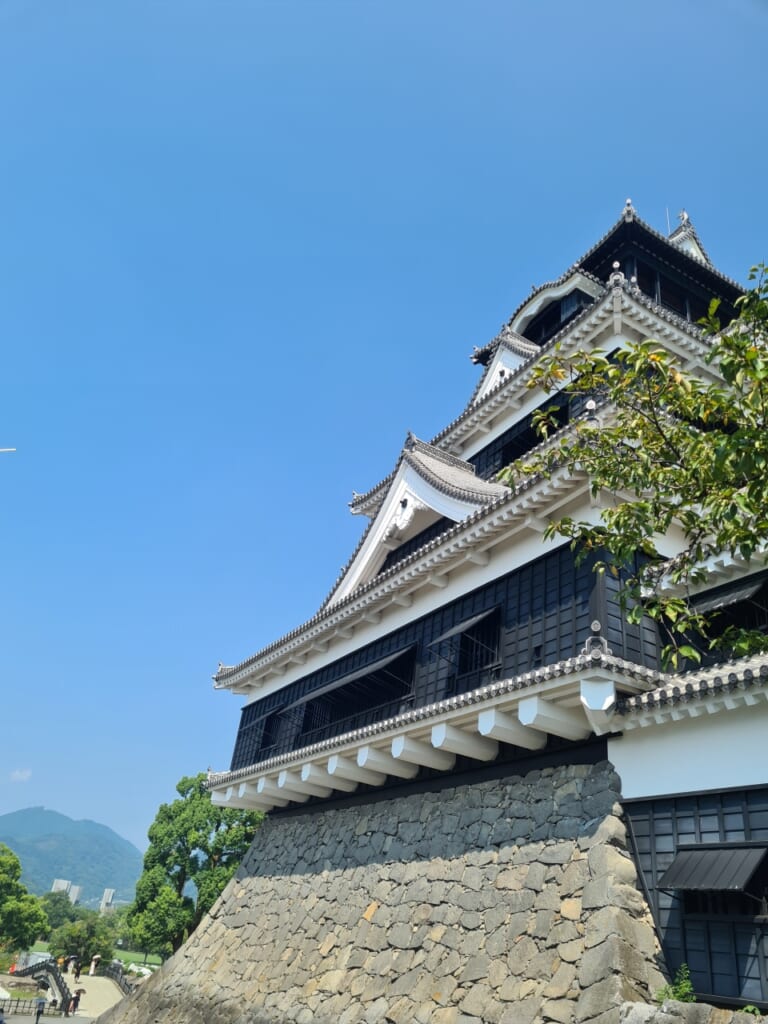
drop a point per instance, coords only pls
(488, 803)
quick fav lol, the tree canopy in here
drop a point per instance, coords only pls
(194, 850)
(60, 909)
(84, 938)
(22, 917)
(669, 453)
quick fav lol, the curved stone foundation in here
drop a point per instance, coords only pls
(501, 902)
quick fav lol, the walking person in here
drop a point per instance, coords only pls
(39, 1008)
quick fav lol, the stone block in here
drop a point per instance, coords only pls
(557, 853)
(540, 924)
(604, 830)
(561, 982)
(376, 1012)
(512, 878)
(449, 964)
(604, 892)
(475, 969)
(519, 901)
(570, 909)
(608, 920)
(548, 899)
(479, 1002)
(520, 955)
(637, 1013)
(559, 1010)
(610, 861)
(445, 1015)
(606, 995)
(405, 936)
(526, 1011)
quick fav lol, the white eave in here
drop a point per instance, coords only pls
(549, 293)
(572, 699)
(591, 694)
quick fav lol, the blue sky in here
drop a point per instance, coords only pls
(246, 245)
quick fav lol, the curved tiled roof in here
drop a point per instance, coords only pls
(698, 684)
(451, 475)
(509, 339)
(447, 473)
(481, 355)
(685, 231)
(629, 215)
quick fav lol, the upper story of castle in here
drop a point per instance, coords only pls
(451, 587)
(634, 282)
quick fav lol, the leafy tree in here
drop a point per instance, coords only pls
(671, 455)
(194, 849)
(22, 917)
(116, 923)
(60, 909)
(84, 938)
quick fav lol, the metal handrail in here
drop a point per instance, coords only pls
(52, 968)
(117, 974)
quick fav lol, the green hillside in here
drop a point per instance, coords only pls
(51, 845)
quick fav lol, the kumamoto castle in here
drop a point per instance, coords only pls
(487, 801)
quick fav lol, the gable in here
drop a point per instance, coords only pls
(428, 485)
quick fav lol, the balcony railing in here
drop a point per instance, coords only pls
(467, 681)
(338, 726)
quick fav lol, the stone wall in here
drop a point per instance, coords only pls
(682, 1013)
(502, 902)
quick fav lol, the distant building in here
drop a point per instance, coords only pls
(74, 893)
(107, 901)
(61, 885)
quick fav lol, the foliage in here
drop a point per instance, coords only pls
(669, 454)
(681, 989)
(83, 938)
(59, 909)
(193, 846)
(22, 917)
(750, 1008)
(118, 926)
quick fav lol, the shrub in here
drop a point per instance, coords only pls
(681, 989)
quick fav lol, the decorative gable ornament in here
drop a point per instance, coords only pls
(427, 485)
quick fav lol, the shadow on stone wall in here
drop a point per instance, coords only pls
(501, 902)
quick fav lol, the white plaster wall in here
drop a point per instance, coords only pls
(725, 750)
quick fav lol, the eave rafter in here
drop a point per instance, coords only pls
(570, 699)
(593, 693)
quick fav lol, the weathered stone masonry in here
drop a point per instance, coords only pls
(510, 900)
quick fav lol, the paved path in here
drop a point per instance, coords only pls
(100, 994)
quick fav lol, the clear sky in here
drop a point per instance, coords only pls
(244, 247)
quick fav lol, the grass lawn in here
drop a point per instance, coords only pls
(128, 956)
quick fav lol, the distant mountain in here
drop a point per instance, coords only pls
(51, 845)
